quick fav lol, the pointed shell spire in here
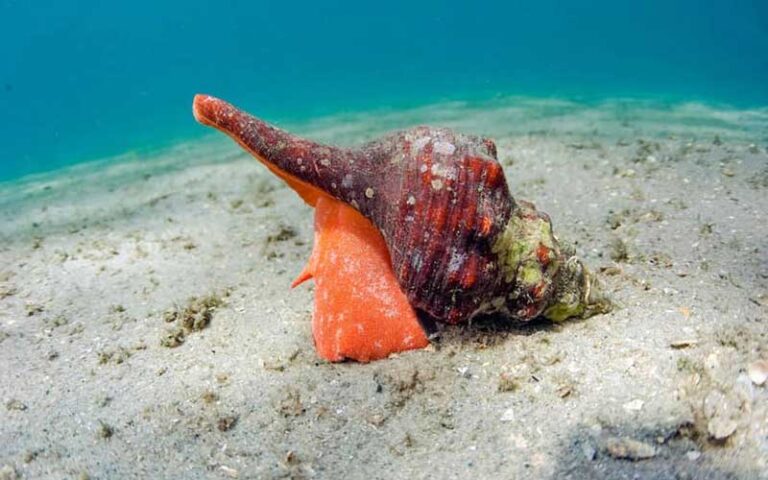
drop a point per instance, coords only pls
(287, 155)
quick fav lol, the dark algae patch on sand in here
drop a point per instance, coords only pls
(195, 316)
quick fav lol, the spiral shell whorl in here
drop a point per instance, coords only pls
(440, 200)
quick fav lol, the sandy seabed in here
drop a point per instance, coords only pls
(110, 369)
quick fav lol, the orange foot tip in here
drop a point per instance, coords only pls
(360, 311)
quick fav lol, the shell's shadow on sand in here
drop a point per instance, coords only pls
(485, 331)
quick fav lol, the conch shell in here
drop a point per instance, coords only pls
(458, 243)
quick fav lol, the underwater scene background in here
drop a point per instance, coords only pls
(83, 79)
(147, 324)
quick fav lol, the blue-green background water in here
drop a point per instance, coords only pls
(80, 79)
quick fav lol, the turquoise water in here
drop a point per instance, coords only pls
(85, 79)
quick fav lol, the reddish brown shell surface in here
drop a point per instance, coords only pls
(439, 199)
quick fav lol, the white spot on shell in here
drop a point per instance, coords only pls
(419, 143)
(369, 192)
(325, 162)
(437, 184)
(423, 168)
(346, 182)
(416, 261)
(411, 200)
(456, 261)
(439, 170)
(446, 148)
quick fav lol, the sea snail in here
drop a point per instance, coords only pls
(417, 223)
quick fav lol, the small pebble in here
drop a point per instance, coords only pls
(589, 451)
(720, 428)
(7, 472)
(758, 371)
(229, 471)
(564, 391)
(508, 415)
(376, 419)
(628, 449)
(634, 406)
(14, 404)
